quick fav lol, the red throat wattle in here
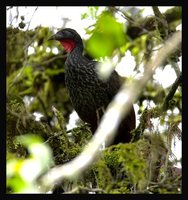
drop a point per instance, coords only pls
(68, 44)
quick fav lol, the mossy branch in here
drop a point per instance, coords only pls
(157, 111)
(162, 22)
(145, 25)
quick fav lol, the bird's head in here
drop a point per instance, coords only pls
(68, 38)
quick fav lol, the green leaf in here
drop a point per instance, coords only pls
(29, 139)
(107, 36)
(38, 150)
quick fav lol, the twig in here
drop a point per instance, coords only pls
(46, 62)
(175, 67)
(116, 110)
(161, 18)
(44, 109)
(138, 132)
(32, 17)
(61, 122)
(124, 15)
(171, 93)
(157, 12)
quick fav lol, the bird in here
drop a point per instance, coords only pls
(89, 94)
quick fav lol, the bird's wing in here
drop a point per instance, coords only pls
(113, 84)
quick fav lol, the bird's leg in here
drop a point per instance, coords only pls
(100, 111)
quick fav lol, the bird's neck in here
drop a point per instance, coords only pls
(68, 44)
(75, 56)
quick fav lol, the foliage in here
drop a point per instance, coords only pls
(35, 83)
(107, 36)
(22, 172)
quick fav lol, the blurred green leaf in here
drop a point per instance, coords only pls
(52, 72)
(38, 150)
(28, 140)
(107, 36)
(22, 173)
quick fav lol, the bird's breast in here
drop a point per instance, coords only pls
(86, 92)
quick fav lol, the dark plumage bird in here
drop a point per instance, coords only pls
(88, 93)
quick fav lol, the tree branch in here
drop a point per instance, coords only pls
(162, 23)
(148, 114)
(48, 61)
(171, 93)
(147, 24)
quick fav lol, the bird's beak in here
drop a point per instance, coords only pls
(56, 36)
